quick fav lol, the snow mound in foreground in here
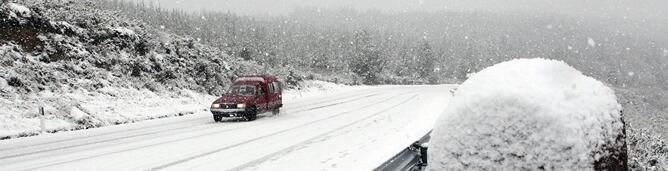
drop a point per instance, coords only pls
(529, 114)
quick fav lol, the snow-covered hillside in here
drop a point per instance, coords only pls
(89, 68)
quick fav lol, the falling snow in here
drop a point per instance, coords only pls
(99, 63)
(591, 42)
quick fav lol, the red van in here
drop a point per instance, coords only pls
(249, 96)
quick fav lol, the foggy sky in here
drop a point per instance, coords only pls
(616, 8)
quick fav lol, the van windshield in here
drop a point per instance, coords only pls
(242, 90)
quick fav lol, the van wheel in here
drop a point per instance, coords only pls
(251, 117)
(217, 118)
(276, 111)
(252, 114)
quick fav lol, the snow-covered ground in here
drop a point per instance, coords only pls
(352, 129)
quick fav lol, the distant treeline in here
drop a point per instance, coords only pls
(423, 47)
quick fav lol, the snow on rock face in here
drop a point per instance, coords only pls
(529, 114)
(19, 10)
(124, 31)
(3, 83)
(12, 11)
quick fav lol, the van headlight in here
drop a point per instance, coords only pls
(215, 105)
(241, 105)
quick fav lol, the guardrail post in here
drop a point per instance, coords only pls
(42, 125)
(423, 153)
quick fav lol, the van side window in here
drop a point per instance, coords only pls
(260, 92)
(272, 90)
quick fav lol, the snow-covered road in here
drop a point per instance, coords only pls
(356, 129)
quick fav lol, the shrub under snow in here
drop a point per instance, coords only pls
(646, 151)
(529, 114)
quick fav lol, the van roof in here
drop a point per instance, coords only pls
(249, 79)
(255, 78)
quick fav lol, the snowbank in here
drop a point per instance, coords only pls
(528, 114)
(82, 109)
(310, 88)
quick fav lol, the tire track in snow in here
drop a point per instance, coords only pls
(350, 94)
(99, 135)
(334, 104)
(112, 139)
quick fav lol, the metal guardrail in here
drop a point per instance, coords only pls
(412, 158)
